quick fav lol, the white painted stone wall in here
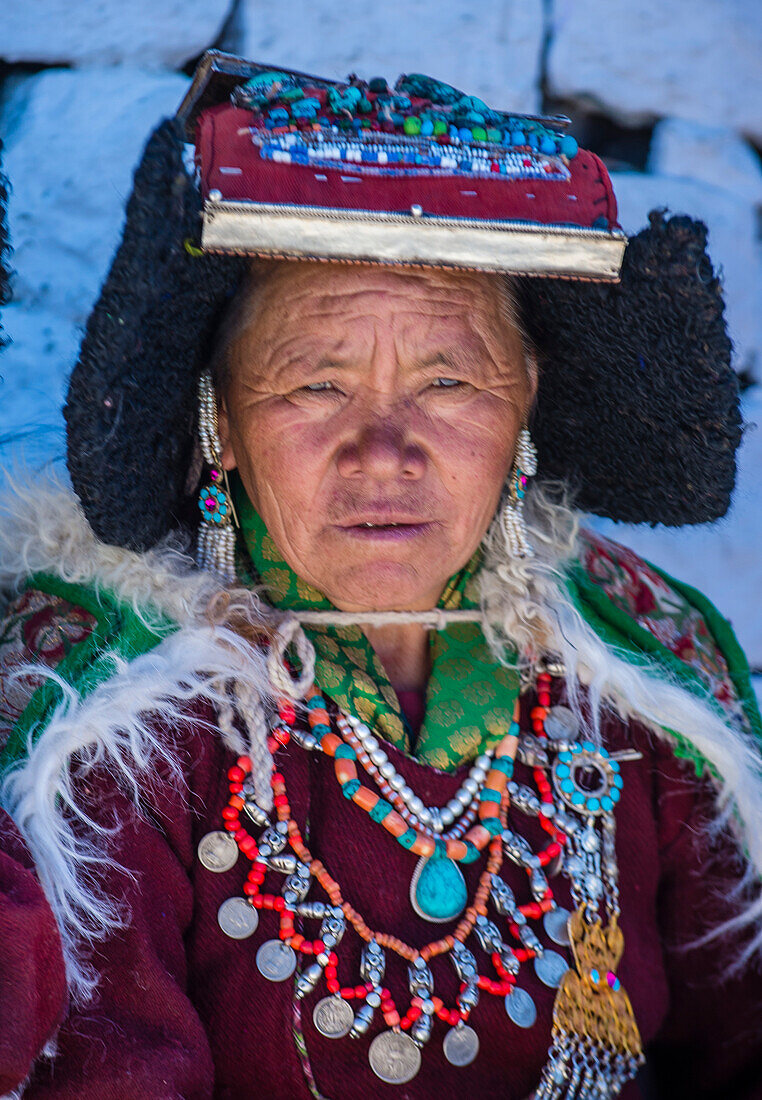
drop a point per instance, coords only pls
(490, 49)
(644, 59)
(146, 34)
(73, 136)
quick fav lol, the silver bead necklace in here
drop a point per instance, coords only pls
(434, 820)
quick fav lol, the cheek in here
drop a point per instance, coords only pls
(476, 451)
(474, 461)
(278, 457)
(476, 473)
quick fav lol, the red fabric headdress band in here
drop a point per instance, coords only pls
(300, 167)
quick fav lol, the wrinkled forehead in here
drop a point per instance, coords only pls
(280, 297)
(333, 286)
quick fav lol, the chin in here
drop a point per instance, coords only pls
(384, 586)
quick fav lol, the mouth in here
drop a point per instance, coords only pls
(387, 529)
(376, 525)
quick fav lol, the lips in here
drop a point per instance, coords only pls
(373, 526)
(383, 518)
(391, 527)
(389, 532)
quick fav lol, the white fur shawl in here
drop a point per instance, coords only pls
(42, 529)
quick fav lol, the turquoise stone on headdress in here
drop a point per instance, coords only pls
(289, 107)
(438, 890)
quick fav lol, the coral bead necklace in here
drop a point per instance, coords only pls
(572, 816)
(415, 839)
(282, 847)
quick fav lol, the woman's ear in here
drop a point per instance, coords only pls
(226, 447)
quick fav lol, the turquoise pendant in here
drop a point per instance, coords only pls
(438, 890)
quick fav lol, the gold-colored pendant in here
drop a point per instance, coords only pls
(592, 1011)
(591, 1002)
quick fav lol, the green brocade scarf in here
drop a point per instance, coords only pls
(469, 698)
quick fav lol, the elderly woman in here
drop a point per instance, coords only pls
(414, 783)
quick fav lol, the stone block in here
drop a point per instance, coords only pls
(144, 33)
(491, 49)
(73, 139)
(711, 154)
(696, 59)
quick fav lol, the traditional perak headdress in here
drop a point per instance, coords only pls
(638, 404)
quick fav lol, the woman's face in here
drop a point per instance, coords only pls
(372, 414)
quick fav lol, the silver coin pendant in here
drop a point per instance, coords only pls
(550, 968)
(394, 1057)
(276, 961)
(217, 851)
(556, 925)
(237, 918)
(520, 1007)
(461, 1045)
(561, 724)
(333, 1017)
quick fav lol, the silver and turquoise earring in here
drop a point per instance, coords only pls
(512, 515)
(215, 549)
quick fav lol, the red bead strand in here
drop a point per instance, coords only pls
(287, 932)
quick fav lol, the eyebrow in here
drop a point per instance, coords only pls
(438, 357)
(461, 360)
(304, 362)
(325, 362)
(301, 364)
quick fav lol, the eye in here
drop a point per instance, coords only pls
(315, 395)
(319, 387)
(446, 383)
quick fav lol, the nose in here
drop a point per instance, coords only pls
(381, 451)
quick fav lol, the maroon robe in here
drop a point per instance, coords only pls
(32, 984)
(182, 1010)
